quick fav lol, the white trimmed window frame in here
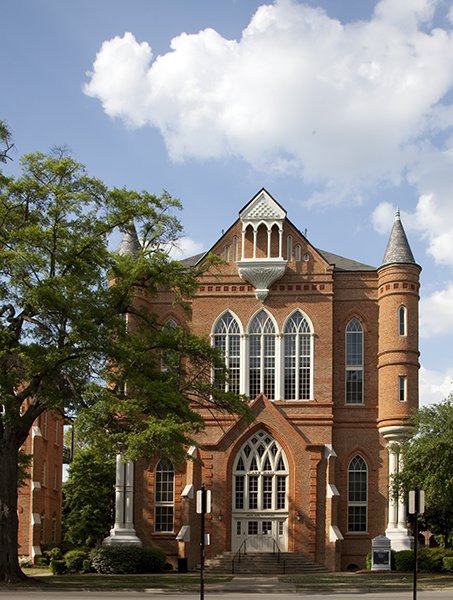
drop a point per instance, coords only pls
(260, 476)
(357, 517)
(303, 334)
(402, 320)
(354, 362)
(164, 497)
(227, 336)
(402, 388)
(221, 330)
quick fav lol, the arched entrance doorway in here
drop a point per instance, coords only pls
(260, 503)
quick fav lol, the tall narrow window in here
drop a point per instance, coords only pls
(164, 496)
(227, 339)
(298, 253)
(298, 353)
(44, 474)
(53, 534)
(402, 388)
(235, 248)
(402, 324)
(289, 247)
(226, 254)
(354, 362)
(262, 356)
(56, 424)
(169, 357)
(357, 495)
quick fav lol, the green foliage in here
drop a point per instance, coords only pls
(404, 560)
(57, 566)
(42, 561)
(127, 560)
(23, 463)
(86, 566)
(63, 335)
(75, 559)
(88, 498)
(6, 143)
(427, 460)
(448, 564)
(430, 560)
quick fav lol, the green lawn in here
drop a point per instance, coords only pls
(362, 581)
(170, 581)
(368, 581)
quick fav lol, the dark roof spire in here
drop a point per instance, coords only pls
(398, 249)
(130, 245)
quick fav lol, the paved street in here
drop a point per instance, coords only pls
(225, 595)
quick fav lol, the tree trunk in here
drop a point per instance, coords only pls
(10, 572)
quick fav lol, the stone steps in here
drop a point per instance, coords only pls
(288, 563)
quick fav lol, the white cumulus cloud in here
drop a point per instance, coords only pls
(299, 90)
(185, 247)
(436, 314)
(435, 386)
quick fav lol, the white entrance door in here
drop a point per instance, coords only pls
(259, 534)
(259, 511)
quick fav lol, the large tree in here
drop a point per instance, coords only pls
(428, 460)
(69, 323)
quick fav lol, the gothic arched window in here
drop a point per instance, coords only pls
(262, 356)
(260, 475)
(227, 338)
(354, 362)
(357, 495)
(298, 357)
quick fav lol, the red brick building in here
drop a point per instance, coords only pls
(39, 500)
(327, 350)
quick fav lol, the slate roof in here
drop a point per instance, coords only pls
(130, 245)
(398, 250)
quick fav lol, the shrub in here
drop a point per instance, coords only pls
(127, 559)
(86, 567)
(52, 553)
(42, 561)
(74, 560)
(448, 563)
(404, 560)
(431, 559)
(153, 560)
(57, 566)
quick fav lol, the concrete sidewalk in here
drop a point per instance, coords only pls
(249, 584)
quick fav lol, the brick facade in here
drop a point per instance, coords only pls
(39, 499)
(318, 436)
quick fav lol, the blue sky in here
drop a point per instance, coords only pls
(342, 110)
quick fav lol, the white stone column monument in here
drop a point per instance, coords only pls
(397, 530)
(123, 531)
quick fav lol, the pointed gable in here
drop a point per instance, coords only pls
(262, 208)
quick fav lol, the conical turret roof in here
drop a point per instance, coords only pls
(398, 249)
(130, 245)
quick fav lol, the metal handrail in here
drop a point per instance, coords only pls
(238, 554)
(242, 551)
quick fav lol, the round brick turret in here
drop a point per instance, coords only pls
(398, 352)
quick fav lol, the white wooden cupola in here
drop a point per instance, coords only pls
(262, 260)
